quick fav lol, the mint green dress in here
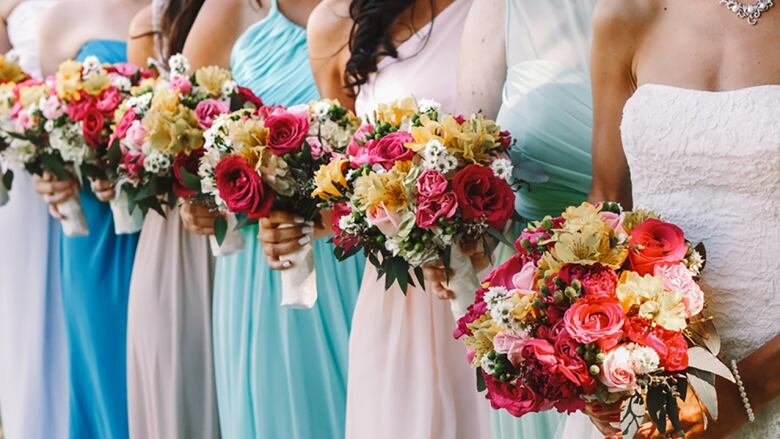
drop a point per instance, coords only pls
(280, 373)
(546, 105)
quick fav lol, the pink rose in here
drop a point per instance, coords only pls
(52, 108)
(503, 275)
(615, 222)
(515, 398)
(678, 278)
(656, 243)
(125, 69)
(390, 149)
(595, 321)
(181, 83)
(431, 184)
(286, 131)
(388, 222)
(124, 124)
(600, 282)
(136, 135)
(207, 110)
(108, 100)
(246, 95)
(358, 147)
(429, 212)
(23, 120)
(616, 371)
(525, 279)
(77, 109)
(512, 345)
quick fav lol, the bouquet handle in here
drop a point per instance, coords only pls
(463, 282)
(74, 223)
(299, 282)
(233, 241)
(125, 223)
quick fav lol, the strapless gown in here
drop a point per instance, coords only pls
(96, 273)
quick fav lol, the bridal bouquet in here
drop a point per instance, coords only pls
(599, 305)
(11, 74)
(256, 161)
(171, 134)
(415, 185)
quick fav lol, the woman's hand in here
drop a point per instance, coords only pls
(103, 189)
(283, 233)
(198, 218)
(436, 279)
(54, 191)
(605, 418)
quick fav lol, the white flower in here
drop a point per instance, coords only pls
(428, 105)
(643, 359)
(48, 126)
(20, 151)
(90, 64)
(502, 314)
(122, 83)
(229, 88)
(140, 103)
(156, 162)
(502, 168)
(695, 263)
(321, 110)
(179, 65)
(487, 365)
(447, 163)
(496, 295)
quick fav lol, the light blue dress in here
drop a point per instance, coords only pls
(95, 281)
(281, 373)
(546, 105)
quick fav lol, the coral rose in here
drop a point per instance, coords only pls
(595, 321)
(657, 243)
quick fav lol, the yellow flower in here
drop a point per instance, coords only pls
(483, 330)
(385, 189)
(7, 96)
(173, 128)
(396, 112)
(429, 130)
(472, 141)
(329, 178)
(664, 307)
(96, 82)
(69, 80)
(523, 306)
(32, 95)
(637, 217)
(10, 71)
(212, 78)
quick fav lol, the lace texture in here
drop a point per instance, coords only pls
(710, 162)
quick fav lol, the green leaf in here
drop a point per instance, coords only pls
(220, 229)
(703, 384)
(447, 259)
(656, 407)
(418, 273)
(674, 413)
(498, 236)
(481, 387)
(54, 165)
(93, 171)
(8, 179)
(190, 180)
(114, 155)
(702, 359)
(242, 222)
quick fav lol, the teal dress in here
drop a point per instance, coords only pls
(546, 105)
(95, 282)
(280, 373)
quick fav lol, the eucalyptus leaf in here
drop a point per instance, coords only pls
(418, 273)
(703, 383)
(220, 229)
(190, 180)
(702, 359)
(498, 236)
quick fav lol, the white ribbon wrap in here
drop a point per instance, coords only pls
(233, 241)
(464, 282)
(299, 282)
(125, 223)
(74, 223)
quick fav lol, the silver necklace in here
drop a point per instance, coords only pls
(751, 13)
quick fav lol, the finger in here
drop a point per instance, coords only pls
(48, 176)
(55, 212)
(58, 197)
(443, 293)
(105, 196)
(285, 248)
(283, 234)
(282, 217)
(203, 221)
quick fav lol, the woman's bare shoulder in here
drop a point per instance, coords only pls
(625, 17)
(329, 27)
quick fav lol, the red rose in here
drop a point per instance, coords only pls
(566, 350)
(483, 195)
(78, 109)
(242, 188)
(92, 127)
(600, 282)
(571, 272)
(503, 275)
(657, 243)
(390, 149)
(248, 96)
(108, 100)
(189, 162)
(286, 132)
(516, 398)
(599, 321)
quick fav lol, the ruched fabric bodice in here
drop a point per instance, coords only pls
(710, 163)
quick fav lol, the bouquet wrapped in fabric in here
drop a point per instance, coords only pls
(256, 161)
(414, 186)
(599, 305)
(182, 108)
(11, 74)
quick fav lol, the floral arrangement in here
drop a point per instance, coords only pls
(599, 305)
(414, 184)
(256, 161)
(158, 132)
(11, 74)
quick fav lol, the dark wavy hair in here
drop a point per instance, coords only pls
(175, 23)
(371, 37)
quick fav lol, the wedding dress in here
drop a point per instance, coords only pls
(710, 163)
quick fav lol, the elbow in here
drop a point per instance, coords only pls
(621, 193)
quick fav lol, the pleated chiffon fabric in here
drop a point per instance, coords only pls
(170, 373)
(96, 273)
(280, 372)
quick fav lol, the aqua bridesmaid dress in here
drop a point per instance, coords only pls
(95, 280)
(281, 373)
(546, 105)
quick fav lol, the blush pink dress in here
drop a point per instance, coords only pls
(408, 378)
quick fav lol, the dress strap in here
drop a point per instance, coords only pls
(274, 5)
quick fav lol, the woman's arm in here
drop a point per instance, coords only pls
(140, 41)
(328, 42)
(482, 68)
(218, 26)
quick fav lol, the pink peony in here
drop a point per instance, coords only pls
(125, 69)
(595, 321)
(388, 222)
(616, 371)
(136, 135)
(431, 184)
(124, 124)
(209, 109)
(678, 278)
(600, 282)
(429, 212)
(182, 84)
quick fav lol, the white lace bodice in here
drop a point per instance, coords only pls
(23, 29)
(710, 162)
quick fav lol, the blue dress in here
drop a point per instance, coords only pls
(546, 105)
(95, 281)
(281, 373)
